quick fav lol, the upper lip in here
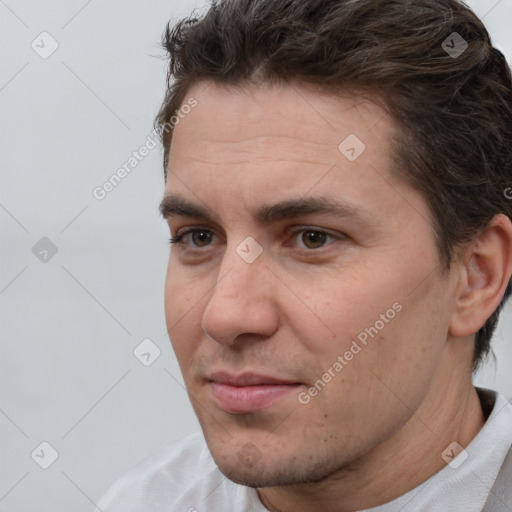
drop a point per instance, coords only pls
(246, 379)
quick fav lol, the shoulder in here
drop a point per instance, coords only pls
(163, 478)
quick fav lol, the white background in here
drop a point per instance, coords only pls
(68, 375)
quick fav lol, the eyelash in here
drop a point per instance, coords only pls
(178, 239)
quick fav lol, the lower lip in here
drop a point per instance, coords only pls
(245, 399)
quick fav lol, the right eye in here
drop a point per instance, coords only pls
(199, 236)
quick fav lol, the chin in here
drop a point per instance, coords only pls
(267, 474)
(255, 478)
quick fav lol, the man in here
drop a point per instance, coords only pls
(335, 190)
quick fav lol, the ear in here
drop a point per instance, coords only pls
(485, 270)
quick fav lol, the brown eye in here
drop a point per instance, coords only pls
(201, 238)
(314, 239)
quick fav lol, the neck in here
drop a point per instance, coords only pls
(450, 411)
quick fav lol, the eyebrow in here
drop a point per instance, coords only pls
(177, 206)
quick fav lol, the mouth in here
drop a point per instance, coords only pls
(248, 392)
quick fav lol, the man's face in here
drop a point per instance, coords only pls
(305, 339)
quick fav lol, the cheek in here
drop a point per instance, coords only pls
(399, 357)
(415, 341)
(183, 305)
(338, 313)
(370, 388)
(384, 334)
(183, 290)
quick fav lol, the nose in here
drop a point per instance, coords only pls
(243, 302)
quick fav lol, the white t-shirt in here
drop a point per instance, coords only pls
(184, 478)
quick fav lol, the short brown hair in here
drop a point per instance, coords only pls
(453, 113)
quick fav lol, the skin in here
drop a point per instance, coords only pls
(407, 394)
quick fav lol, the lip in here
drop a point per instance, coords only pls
(247, 392)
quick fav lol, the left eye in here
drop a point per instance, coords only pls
(312, 239)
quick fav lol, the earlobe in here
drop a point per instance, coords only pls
(485, 272)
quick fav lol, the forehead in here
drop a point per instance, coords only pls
(246, 147)
(300, 117)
